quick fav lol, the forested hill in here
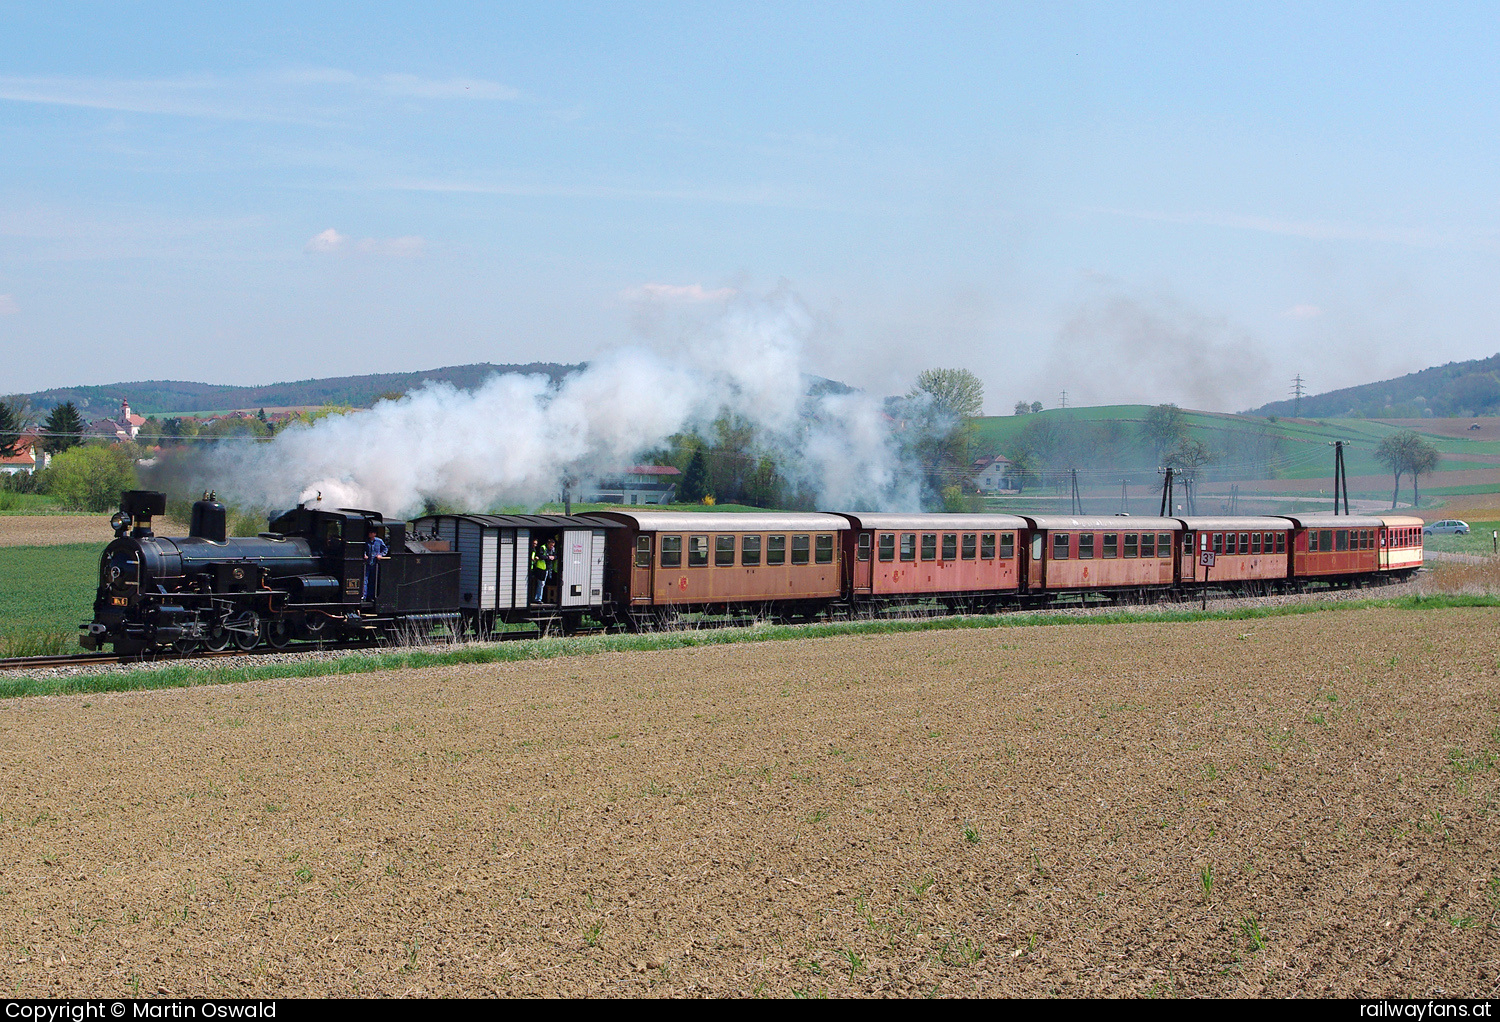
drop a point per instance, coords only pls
(147, 397)
(1457, 389)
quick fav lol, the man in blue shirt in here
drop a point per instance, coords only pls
(375, 551)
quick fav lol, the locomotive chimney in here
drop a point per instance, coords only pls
(137, 506)
(208, 519)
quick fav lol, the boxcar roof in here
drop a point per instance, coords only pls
(1122, 523)
(528, 521)
(1335, 522)
(689, 521)
(935, 522)
(1235, 523)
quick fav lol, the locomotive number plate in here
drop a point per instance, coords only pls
(118, 601)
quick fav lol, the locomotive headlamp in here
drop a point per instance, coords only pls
(120, 522)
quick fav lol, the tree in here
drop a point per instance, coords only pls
(10, 430)
(957, 391)
(1164, 428)
(63, 429)
(1405, 451)
(91, 478)
(1424, 460)
(695, 479)
(1036, 406)
(1022, 408)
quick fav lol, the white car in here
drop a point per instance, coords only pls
(1447, 525)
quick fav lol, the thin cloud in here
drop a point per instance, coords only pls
(301, 96)
(331, 242)
(683, 294)
(1316, 230)
(8, 306)
(1303, 312)
(763, 195)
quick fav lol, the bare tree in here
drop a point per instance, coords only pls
(957, 391)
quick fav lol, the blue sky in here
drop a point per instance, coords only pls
(1130, 203)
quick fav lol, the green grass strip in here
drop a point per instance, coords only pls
(188, 674)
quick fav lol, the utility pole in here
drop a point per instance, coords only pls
(1166, 491)
(1124, 497)
(1340, 477)
(1064, 402)
(1298, 389)
(1077, 500)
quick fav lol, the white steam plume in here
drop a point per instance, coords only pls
(513, 440)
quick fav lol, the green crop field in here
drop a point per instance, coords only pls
(45, 593)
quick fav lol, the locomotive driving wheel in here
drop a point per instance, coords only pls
(244, 629)
(278, 633)
(218, 637)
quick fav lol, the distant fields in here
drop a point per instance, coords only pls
(1306, 441)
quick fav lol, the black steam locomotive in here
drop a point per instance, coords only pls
(303, 579)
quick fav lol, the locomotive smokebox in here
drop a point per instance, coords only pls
(208, 520)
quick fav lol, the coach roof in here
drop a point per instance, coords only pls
(676, 521)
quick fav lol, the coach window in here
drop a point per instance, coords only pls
(1218, 542)
(1007, 546)
(987, 545)
(1164, 544)
(1325, 540)
(1312, 541)
(908, 546)
(1341, 540)
(1244, 542)
(1111, 545)
(862, 547)
(775, 550)
(950, 546)
(929, 546)
(800, 546)
(643, 551)
(1060, 546)
(971, 546)
(1255, 542)
(1132, 544)
(1085, 546)
(671, 551)
(823, 550)
(887, 546)
(723, 551)
(1281, 542)
(697, 551)
(750, 551)
(1148, 544)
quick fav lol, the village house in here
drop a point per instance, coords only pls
(993, 474)
(638, 484)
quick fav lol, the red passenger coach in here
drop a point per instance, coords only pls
(1401, 544)
(1101, 553)
(664, 563)
(1250, 550)
(1329, 546)
(892, 556)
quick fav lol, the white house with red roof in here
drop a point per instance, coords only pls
(27, 457)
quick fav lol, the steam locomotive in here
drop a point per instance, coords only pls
(309, 576)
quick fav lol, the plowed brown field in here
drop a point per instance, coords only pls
(1298, 806)
(54, 530)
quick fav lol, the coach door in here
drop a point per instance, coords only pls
(861, 571)
(640, 572)
(1035, 568)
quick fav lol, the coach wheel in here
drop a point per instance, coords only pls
(245, 630)
(278, 633)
